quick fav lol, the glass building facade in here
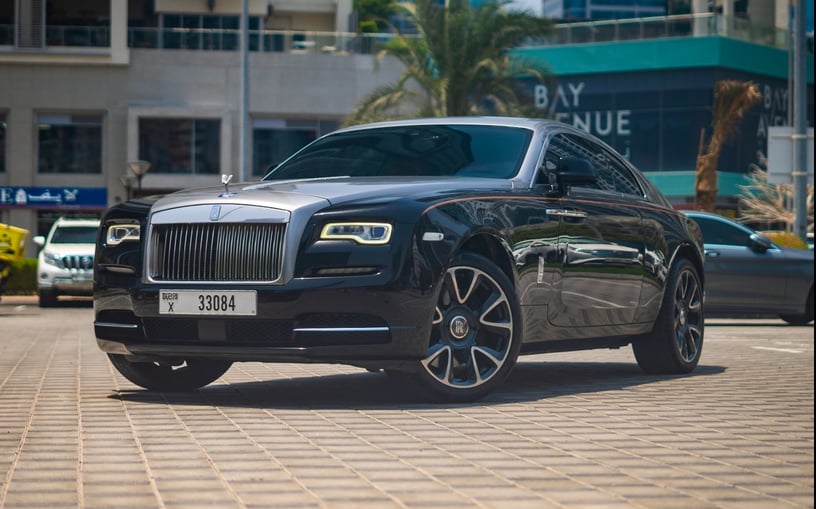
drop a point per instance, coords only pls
(585, 10)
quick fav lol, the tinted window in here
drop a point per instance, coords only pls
(74, 235)
(718, 232)
(431, 150)
(621, 178)
(560, 146)
(613, 175)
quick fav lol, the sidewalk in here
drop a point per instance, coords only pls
(568, 431)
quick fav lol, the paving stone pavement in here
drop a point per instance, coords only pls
(573, 430)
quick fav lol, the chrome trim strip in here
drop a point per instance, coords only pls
(116, 325)
(341, 329)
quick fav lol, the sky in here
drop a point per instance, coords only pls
(531, 5)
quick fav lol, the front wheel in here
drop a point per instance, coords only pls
(171, 375)
(47, 298)
(676, 341)
(476, 332)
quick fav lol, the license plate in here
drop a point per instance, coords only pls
(208, 302)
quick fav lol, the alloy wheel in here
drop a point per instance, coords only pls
(688, 316)
(472, 329)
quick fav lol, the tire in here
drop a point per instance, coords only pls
(676, 341)
(172, 375)
(802, 319)
(47, 298)
(475, 335)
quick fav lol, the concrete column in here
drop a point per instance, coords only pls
(118, 32)
(701, 24)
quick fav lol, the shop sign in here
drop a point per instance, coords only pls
(53, 197)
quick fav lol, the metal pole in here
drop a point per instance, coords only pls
(244, 107)
(799, 173)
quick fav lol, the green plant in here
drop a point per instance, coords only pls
(786, 239)
(458, 62)
(23, 278)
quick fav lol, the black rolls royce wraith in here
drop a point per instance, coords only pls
(438, 250)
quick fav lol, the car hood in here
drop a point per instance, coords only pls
(71, 249)
(294, 194)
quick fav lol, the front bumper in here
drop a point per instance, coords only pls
(315, 323)
(65, 281)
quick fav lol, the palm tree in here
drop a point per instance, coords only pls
(374, 14)
(457, 64)
(766, 203)
(732, 99)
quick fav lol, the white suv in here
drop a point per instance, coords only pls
(65, 263)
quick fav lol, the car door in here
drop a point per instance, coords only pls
(740, 276)
(600, 242)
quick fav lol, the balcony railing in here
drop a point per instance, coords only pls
(683, 25)
(285, 41)
(289, 41)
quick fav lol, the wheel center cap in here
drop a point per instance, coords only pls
(459, 327)
(682, 316)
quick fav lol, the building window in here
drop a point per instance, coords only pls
(3, 128)
(77, 23)
(273, 140)
(181, 145)
(70, 143)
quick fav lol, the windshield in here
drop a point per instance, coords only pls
(408, 151)
(74, 235)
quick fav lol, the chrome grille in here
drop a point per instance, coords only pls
(79, 262)
(216, 252)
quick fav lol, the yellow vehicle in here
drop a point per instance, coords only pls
(12, 247)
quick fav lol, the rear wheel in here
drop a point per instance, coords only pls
(804, 318)
(676, 342)
(476, 333)
(170, 375)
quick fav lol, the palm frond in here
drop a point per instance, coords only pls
(459, 63)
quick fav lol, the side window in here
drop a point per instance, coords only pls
(568, 145)
(561, 146)
(621, 178)
(613, 174)
(716, 232)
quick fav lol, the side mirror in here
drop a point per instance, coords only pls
(759, 243)
(574, 170)
(39, 240)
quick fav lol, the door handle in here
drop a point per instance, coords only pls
(712, 254)
(566, 213)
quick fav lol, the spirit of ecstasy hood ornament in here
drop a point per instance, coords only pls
(226, 179)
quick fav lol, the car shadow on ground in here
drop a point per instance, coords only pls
(754, 322)
(26, 305)
(529, 381)
(74, 302)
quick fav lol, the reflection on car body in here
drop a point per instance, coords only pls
(437, 250)
(747, 274)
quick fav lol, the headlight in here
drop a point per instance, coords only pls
(119, 233)
(362, 233)
(53, 259)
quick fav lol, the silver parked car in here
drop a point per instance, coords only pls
(747, 274)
